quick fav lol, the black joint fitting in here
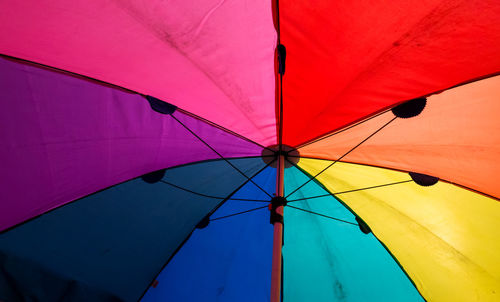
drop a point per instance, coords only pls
(154, 176)
(204, 222)
(281, 58)
(282, 152)
(161, 106)
(277, 202)
(363, 226)
(410, 108)
(423, 179)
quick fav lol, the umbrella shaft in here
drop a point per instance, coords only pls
(278, 236)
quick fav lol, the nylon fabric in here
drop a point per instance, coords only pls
(20, 281)
(456, 138)
(64, 137)
(115, 241)
(230, 259)
(370, 56)
(194, 54)
(328, 260)
(445, 237)
(78, 223)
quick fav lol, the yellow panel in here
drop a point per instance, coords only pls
(446, 238)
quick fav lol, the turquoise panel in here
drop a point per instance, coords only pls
(329, 260)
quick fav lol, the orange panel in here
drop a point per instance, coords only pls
(456, 138)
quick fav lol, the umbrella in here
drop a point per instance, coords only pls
(223, 150)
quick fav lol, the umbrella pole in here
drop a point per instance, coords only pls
(278, 236)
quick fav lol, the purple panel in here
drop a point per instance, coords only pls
(64, 137)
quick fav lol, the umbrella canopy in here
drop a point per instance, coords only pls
(147, 146)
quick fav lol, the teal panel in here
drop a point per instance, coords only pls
(329, 260)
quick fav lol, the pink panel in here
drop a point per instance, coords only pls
(213, 58)
(65, 137)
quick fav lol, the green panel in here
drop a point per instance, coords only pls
(329, 260)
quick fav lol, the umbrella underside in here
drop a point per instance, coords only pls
(141, 141)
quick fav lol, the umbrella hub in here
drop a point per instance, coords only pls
(271, 153)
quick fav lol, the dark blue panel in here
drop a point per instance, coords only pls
(114, 242)
(229, 260)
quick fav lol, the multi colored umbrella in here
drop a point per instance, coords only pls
(250, 150)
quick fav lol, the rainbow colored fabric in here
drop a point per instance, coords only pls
(104, 197)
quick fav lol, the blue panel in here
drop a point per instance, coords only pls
(112, 243)
(229, 260)
(329, 260)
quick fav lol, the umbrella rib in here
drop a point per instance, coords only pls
(194, 228)
(322, 215)
(220, 127)
(220, 155)
(345, 154)
(209, 196)
(353, 190)
(238, 213)
(241, 186)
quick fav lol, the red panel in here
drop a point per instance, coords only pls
(349, 59)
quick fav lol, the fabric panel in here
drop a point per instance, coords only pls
(456, 138)
(65, 137)
(329, 260)
(117, 240)
(230, 259)
(21, 280)
(445, 237)
(349, 59)
(213, 58)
